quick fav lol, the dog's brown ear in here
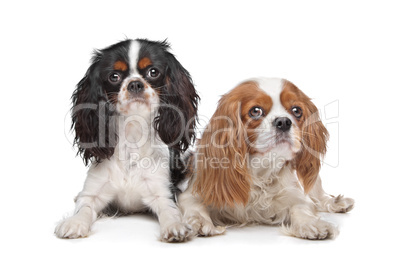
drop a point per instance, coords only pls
(314, 137)
(314, 142)
(222, 177)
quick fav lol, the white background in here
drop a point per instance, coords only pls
(346, 52)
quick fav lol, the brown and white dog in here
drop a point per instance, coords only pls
(258, 161)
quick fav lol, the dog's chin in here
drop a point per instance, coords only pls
(283, 148)
(138, 100)
(134, 106)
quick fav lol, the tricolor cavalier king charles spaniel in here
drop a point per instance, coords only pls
(134, 113)
(258, 161)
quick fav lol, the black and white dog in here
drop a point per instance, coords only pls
(133, 113)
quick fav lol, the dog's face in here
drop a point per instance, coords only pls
(261, 117)
(273, 117)
(134, 74)
(133, 77)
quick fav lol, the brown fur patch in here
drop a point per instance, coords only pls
(120, 66)
(251, 96)
(313, 133)
(223, 178)
(144, 63)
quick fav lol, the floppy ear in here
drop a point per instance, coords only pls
(177, 117)
(222, 177)
(314, 142)
(90, 116)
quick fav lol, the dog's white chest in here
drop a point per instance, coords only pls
(141, 177)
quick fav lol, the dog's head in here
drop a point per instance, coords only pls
(259, 117)
(133, 77)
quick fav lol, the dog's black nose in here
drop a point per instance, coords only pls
(283, 123)
(135, 86)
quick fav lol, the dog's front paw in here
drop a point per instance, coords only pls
(316, 230)
(73, 227)
(203, 227)
(340, 204)
(176, 232)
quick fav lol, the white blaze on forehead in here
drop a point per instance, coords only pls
(133, 55)
(273, 87)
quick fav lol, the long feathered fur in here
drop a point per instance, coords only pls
(91, 113)
(314, 139)
(223, 141)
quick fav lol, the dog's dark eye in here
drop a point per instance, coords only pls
(256, 112)
(297, 111)
(114, 78)
(153, 73)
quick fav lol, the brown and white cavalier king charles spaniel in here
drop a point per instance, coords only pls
(258, 161)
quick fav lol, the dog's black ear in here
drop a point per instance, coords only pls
(177, 117)
(91, 115)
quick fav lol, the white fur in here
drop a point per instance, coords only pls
(133, 56)
(329, 203)
(135, 178)
(276, 196)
